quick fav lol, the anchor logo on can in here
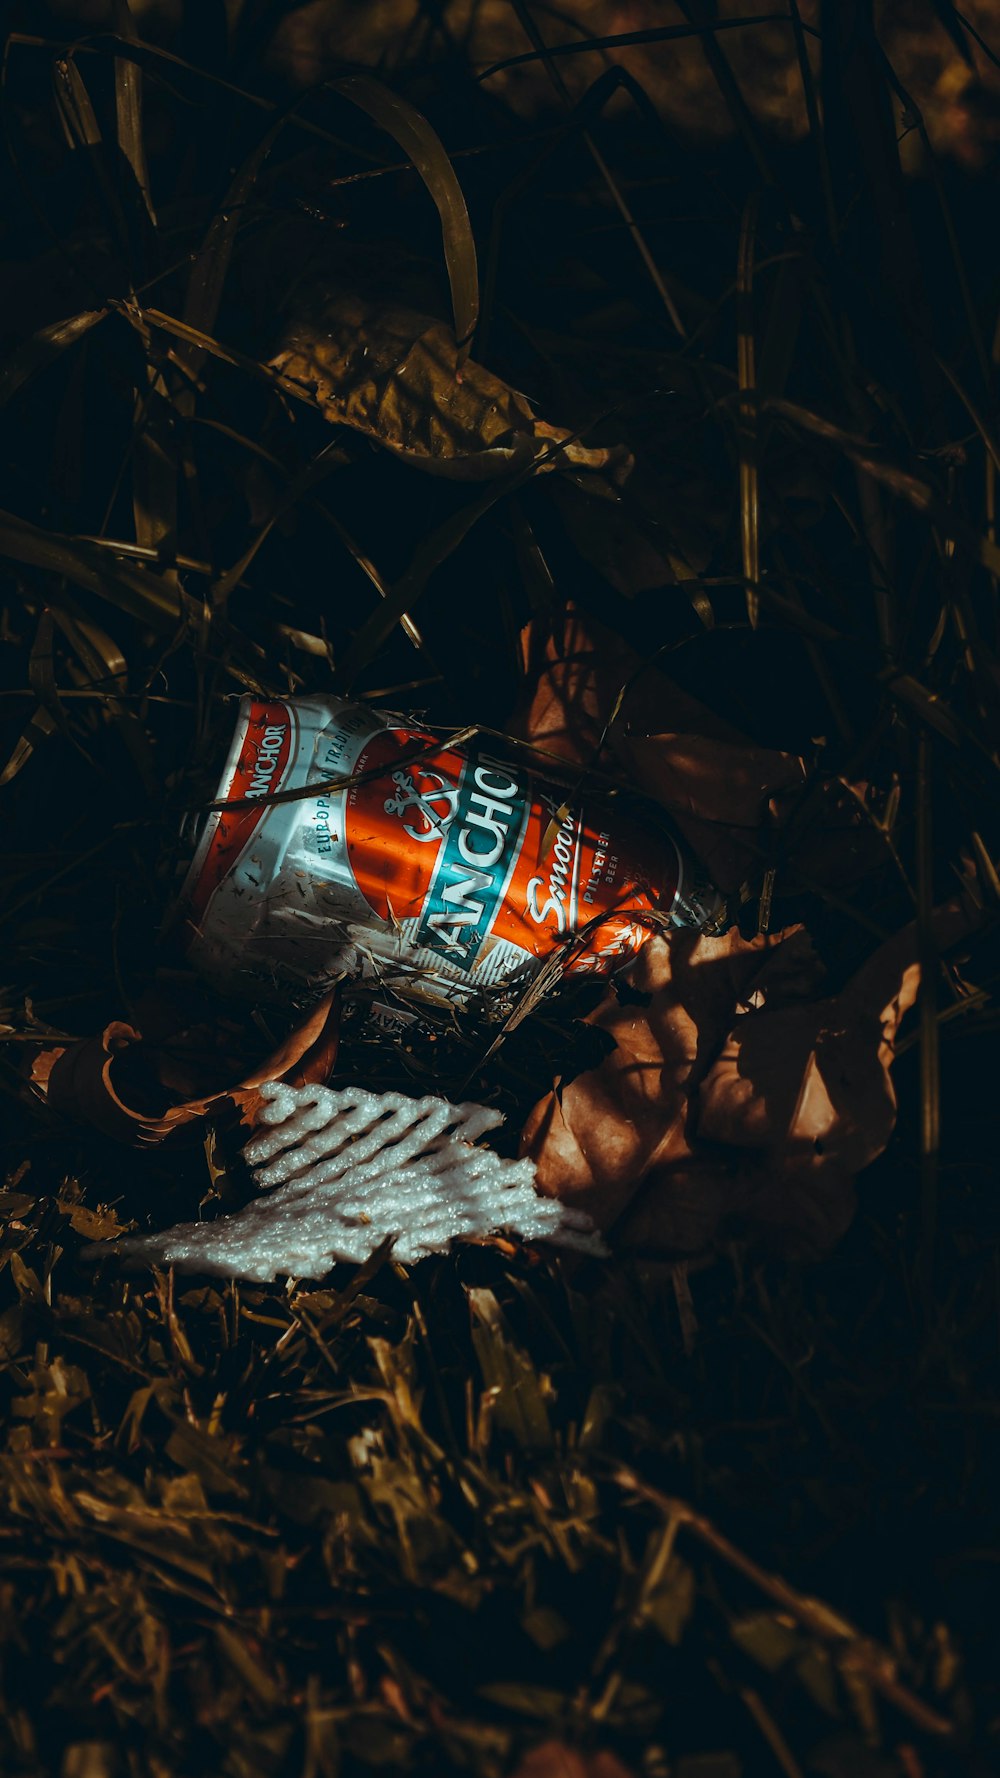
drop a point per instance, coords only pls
(434, 804)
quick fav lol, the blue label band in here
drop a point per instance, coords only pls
(475, 863)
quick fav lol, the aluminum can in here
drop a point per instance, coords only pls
(352, 845)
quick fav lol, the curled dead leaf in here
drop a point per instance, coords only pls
(127, 1086)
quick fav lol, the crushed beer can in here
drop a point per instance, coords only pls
(350, 845)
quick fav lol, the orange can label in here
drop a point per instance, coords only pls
(349, 843)
(474, 854)
(266, 754)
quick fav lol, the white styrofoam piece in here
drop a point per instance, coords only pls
(344, 1170)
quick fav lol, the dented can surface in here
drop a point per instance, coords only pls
(354, 845)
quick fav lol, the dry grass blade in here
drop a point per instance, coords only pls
(364, 561)
(898, 481)
(986, 870)
(990, 443)
(551, 830)
(97, 665)
(539, 987)
(977, 37)
(48, 717)
(429, 554)
(105, 668)
(510, 1376)
(39, 727)
(141, 319)
(208, 273)
(73, 102)
(776, 1741)
(603, 90)
(150, 54)
(813, 114)
(914, 115)
(128, 105)
(819, 1619)
(633, 39)
(42, 347)
(154, 473)
(324, 786)
(41, 666)
(747, 375)
(617, 195)
(410, 629)
(100, 658)
(955, 25)
(928, 705)
(699, 12)
(930, 1063)
(82, 131)
(407, 126)
(300, 486)
(136, 590)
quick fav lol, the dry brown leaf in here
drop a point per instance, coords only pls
(553, 1759)
(591, 699)
(734, 1099)
(392, 374)
(128, 1086)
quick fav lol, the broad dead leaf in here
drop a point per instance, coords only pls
(593, 700)
(396, 376)
(734, 1099)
